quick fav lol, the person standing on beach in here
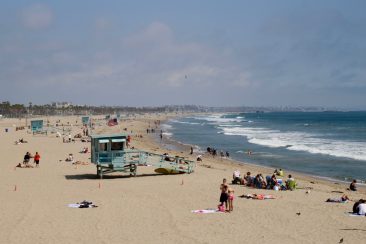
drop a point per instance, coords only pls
(231, 199)
(26, 159)
(37, 157)
(191, 151)
(224, 194)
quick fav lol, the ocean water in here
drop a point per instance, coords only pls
(325, 144)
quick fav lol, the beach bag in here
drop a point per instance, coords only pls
(275, 188)
(221, 208)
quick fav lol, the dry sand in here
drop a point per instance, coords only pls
(153, 208)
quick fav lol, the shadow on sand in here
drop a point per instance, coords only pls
(109, 176)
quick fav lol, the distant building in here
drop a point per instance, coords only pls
(61, 104)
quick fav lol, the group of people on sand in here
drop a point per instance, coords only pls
(268, 182)
(214, 152)
(26, 160)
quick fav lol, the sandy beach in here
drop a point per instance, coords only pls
(154, 208)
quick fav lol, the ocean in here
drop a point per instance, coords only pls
(324, 144)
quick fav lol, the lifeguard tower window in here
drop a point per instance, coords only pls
(117, 144)
(103, 145)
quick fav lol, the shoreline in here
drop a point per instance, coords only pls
(177, 143)
(305, 176)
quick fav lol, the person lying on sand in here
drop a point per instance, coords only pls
(81, 163)
(20, 141)
(344, 198)
(257, 196)
(20, 165)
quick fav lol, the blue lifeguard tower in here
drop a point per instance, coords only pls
(37, 127)
(110, 154)
(85, 120)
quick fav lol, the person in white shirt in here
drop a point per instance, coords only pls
(362, 209)
(236, 177)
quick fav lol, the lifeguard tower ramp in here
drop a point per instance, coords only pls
(110, 154)
(37, 127)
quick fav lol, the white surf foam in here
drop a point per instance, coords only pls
(184, 122)
(299, 141)
(218, 119)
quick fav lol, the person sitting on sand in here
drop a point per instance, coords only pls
(353, 186)
(344, 198)
(362, 208)
(70, 158)
(248, 179)
(273, 182)
(290, 183)
(355, 206)
(236, 177)
(199, 158)
(262, 182)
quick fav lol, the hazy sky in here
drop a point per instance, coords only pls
(184, 52)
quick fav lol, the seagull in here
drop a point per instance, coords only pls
(341, 240)
(298, 213)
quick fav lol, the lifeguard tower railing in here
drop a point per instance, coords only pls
(129, 160)
(175, 163)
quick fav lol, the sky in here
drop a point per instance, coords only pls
(166, 52)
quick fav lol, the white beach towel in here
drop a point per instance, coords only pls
(354, 214)
(206, 211)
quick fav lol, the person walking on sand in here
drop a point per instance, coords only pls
(37, 157)
(191, 151)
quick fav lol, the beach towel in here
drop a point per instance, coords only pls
(354, 214)
(206, 211)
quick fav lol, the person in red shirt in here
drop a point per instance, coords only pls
(37, 157)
